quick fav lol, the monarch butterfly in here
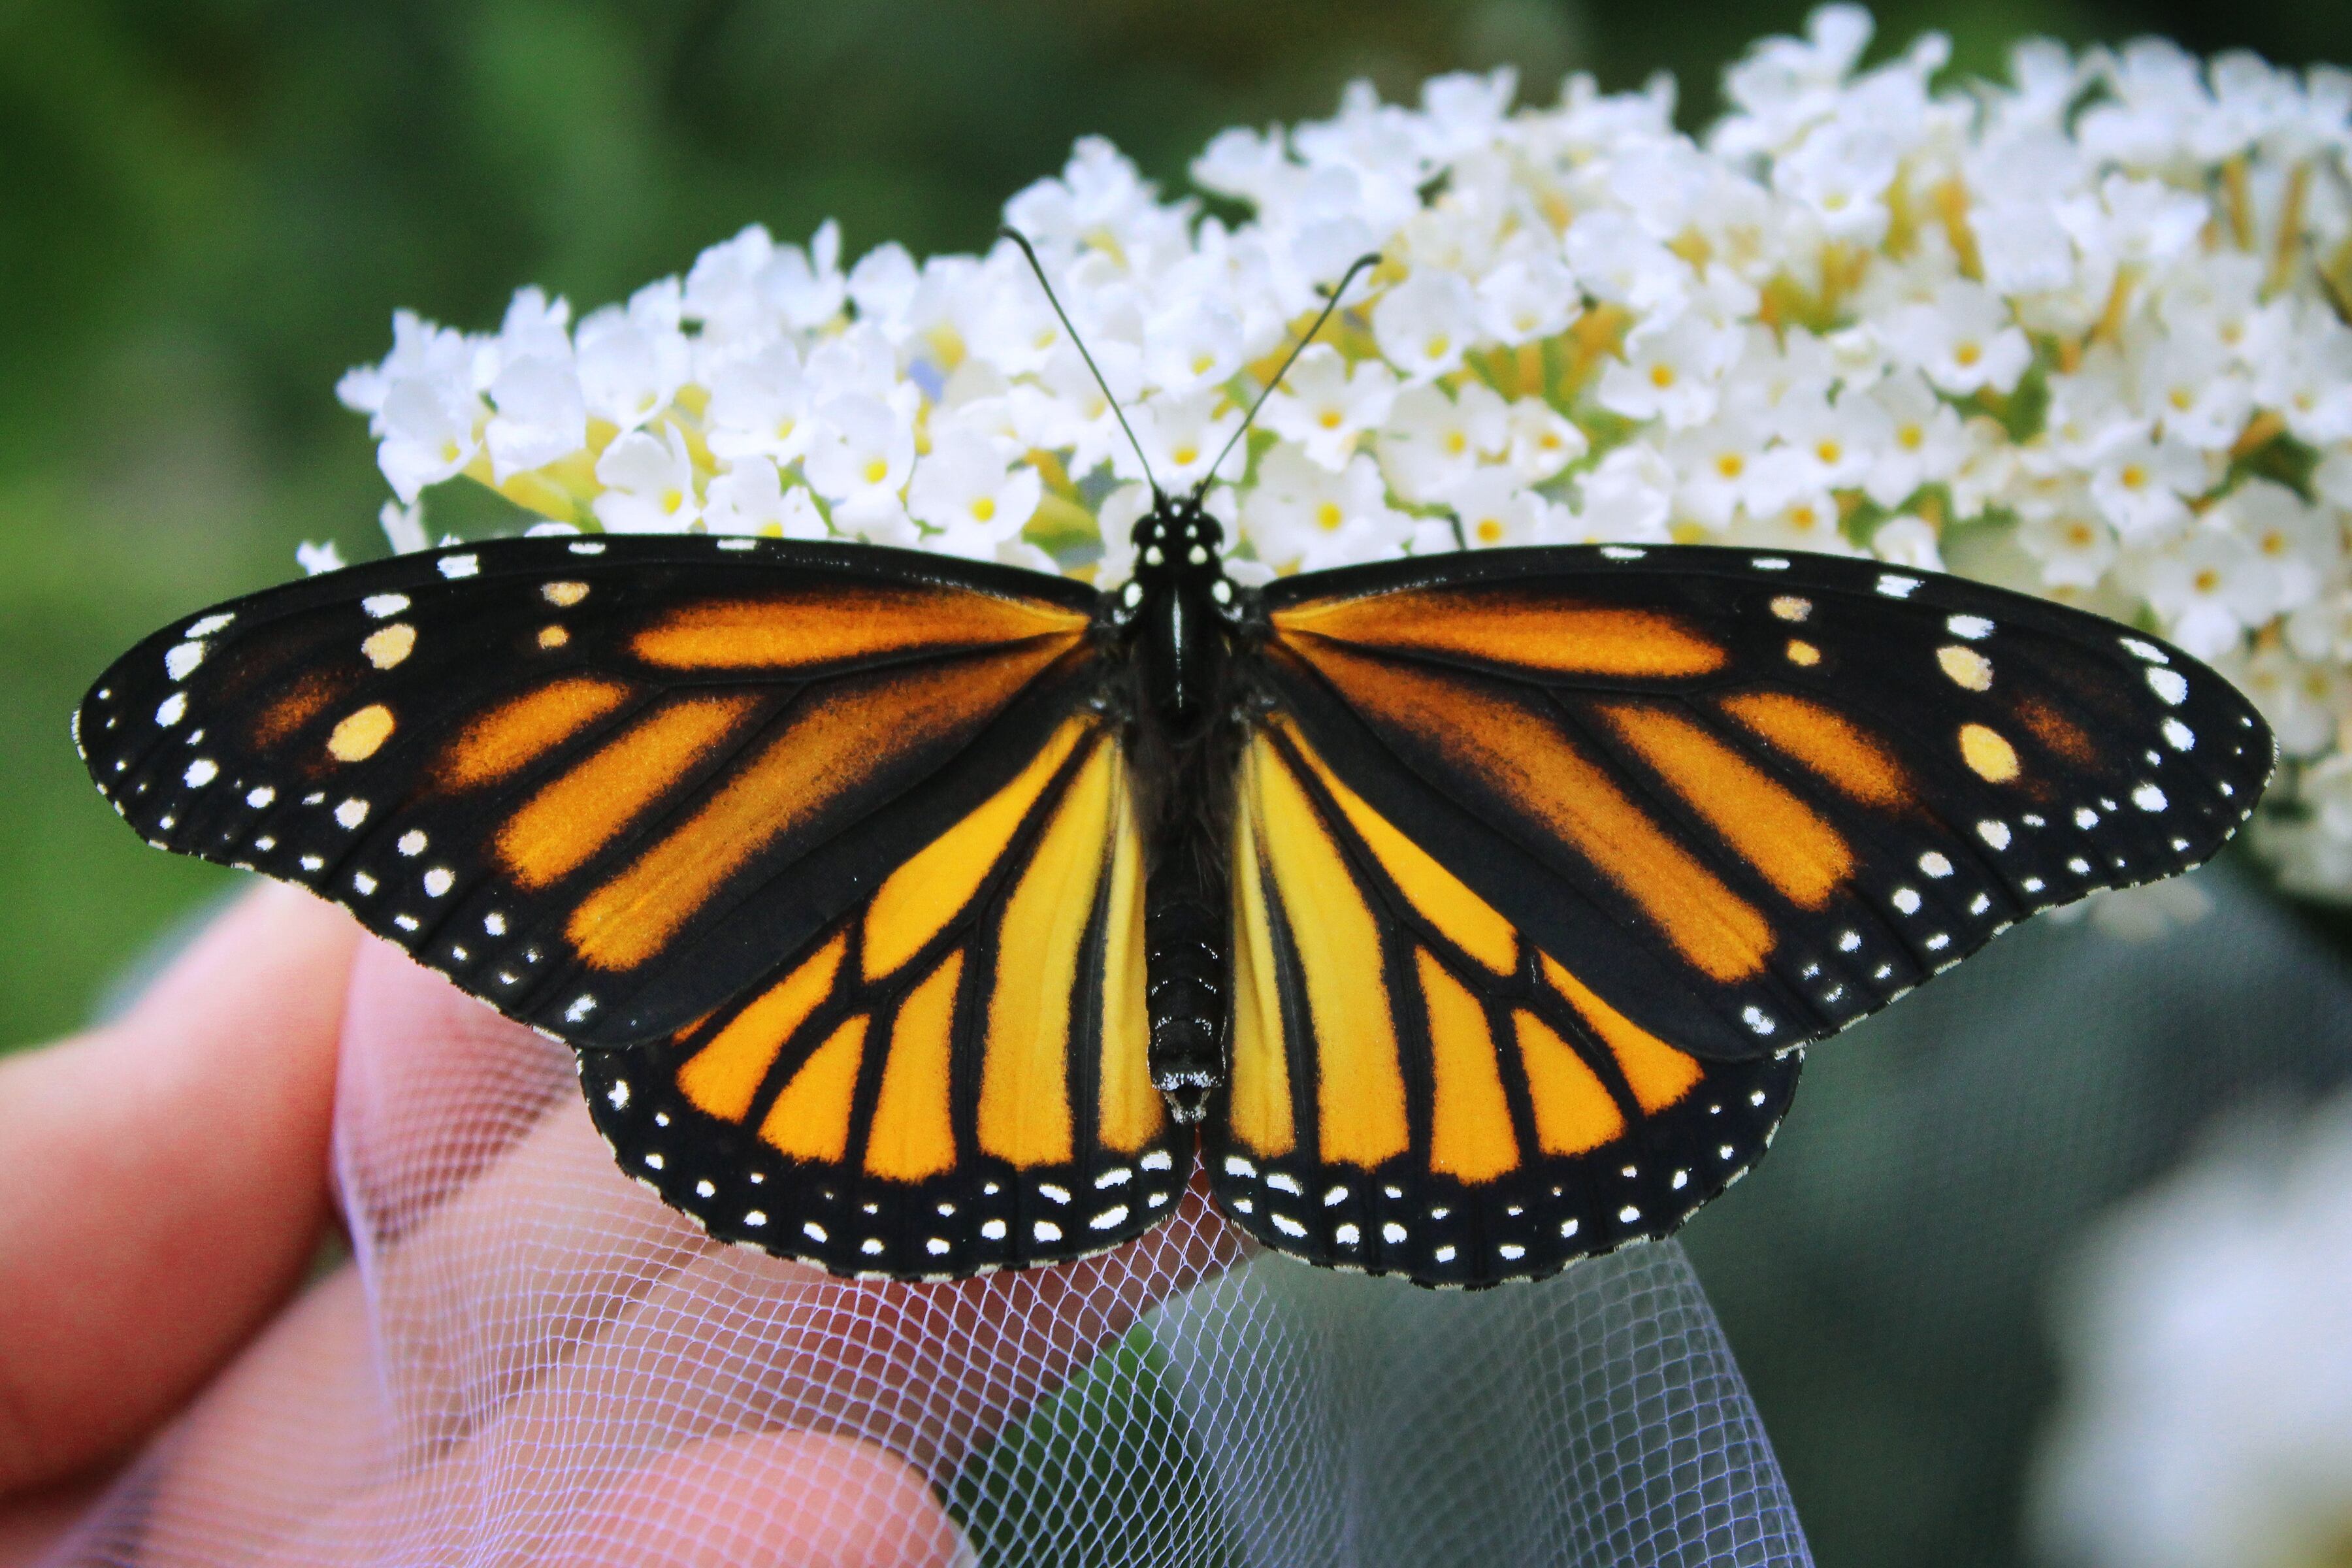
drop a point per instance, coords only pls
(1461, 916)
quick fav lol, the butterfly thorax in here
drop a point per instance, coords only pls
(1177, 620)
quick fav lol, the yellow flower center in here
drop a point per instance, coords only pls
(672, 499)
(2273, 543)
(1456, 443)
(1330, 419)
(1203, 363)
(1731, 465)
(1911, 436)
(1186, 455)
(877, 470)
(1661, 376)
(1802, 519)
(785, 426)
(2208, 580)
(2079, 534)
(2133, 478)
(2183, 399)
(984, 508)
(1968, 353)
(1328, 517)
(1436, 346)
(1828, 451)
(1490, 532)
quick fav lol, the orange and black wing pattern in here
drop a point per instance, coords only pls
(602, 783)
(1548, 864)
(1748, 798)
(950, 1077)
(1416, 1088)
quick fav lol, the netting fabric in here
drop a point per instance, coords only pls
(529, 1360)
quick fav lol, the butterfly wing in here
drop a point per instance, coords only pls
(1548, 862)
(1747, 797)
(1418, 1088)
(603, 784)
(953, 1077)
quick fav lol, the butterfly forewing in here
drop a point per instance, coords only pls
(1416, 1088)
(951, 1079)
(600, 783)
(1748, 798)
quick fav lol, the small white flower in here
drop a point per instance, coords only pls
(1842, 172)
(1425, 325)
(1964, 341)
(1925, 442)
(317, 557)
(1300, 514)
(1530, 295)
(2301, 545)
(1325, 405)
(1183, 436)
(631, 360)
(1433, 442)
(2144, 487)
(2075, 549)
(431, 431)
(1671, 373)
(751, 498)
(760, 406)
(862, 454)
(1721, 467)
(648, 481)
(1806, 520)
(2188, 384)
(962, 488)
(1494, 508)
(540, 418)
(421, 351)
(1190, 345)
(1541, 440)
(1627, 498)
(2207, 586)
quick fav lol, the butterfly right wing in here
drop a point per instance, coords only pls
(951, 1079)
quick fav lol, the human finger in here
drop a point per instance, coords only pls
(163, 1184)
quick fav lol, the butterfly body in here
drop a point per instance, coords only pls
(1459, 917)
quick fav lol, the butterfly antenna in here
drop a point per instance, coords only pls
(1017, 238)
(1337, 293)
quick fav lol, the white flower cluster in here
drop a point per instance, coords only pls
(2081, 333)
(2206, 1345)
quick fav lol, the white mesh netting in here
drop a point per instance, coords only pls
(529, 1360)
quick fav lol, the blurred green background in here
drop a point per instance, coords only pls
(212, 208)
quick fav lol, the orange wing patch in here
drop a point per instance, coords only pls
(1799, 854)
(1531, 631)
(824, 626)
(1826, 742)
(518, 732)
(561, 827)
(1524, 754)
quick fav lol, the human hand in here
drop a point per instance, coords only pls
(528, 1350)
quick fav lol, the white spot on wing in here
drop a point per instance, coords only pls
(379, 606)
(456, 567)
(2169, 685)
(209, 624)
(2148, 797)
(181, 660)
(438, 882)
(172, 710)
(411, 842)
(201, 772)
(352, 813)
(1993, 833)
(1897, 587)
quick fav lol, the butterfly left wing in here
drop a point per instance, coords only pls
(951, 1078)
(602, 783)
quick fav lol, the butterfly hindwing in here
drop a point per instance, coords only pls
(1749, 798)
(953, 1078)
(601, 783)
(1416, 1088)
